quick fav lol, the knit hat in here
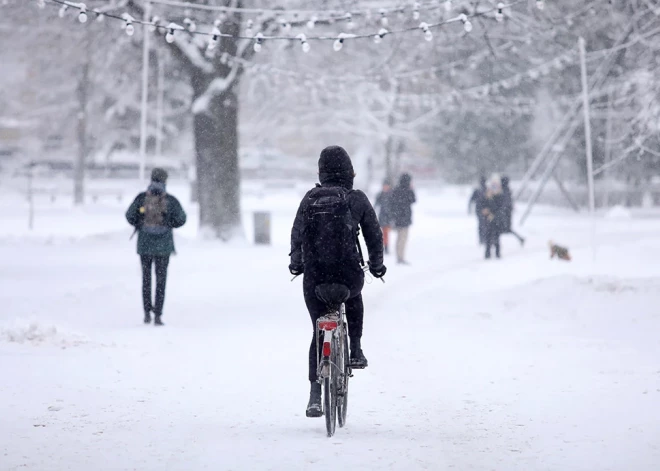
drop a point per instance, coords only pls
(158, 175)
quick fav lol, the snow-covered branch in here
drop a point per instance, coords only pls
(218, 86)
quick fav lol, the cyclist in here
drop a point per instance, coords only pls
(324, 248)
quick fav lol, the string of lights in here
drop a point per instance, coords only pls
(171, 29)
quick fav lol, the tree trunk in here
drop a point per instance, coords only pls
(218, 178)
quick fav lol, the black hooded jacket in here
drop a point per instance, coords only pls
(401, 202)
(362, 212)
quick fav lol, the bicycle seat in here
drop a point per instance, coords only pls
(332, 294)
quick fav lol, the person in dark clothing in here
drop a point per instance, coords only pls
(154, 214)
(507, 204)
(336, 175)
(477, 198)
(493, 212)
(384, 212)
(401, 201)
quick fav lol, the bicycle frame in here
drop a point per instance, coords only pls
(332, 325)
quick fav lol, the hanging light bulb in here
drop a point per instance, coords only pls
(381, 34)
(540, 4)
(169, 37)
(499, 14)
(349, 20)
(339, 43)
(128, 24)
(82, 16)
(215, 36)
(467, 25)
(258, 39)
(312, 22)
(63, 10)
(378, 38)
(303, 42)
(383, 17)
(448, 6)
(416, 11)
(99, 16)
(428, 35)
(248, 28)
(190, 24)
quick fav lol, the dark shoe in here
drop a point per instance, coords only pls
(147, 317)
(314, 408)
(357, 360)
(157, 320)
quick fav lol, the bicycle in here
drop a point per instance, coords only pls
(333, 366)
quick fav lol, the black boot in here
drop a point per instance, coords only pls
(147, 317)
(357, 360)
(157, 320)
(314, 408)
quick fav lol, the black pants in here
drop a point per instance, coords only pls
(492, 239)
(482, 228)
(354, 310)
(161, 279)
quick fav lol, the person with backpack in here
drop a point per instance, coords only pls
(384, 212)
(154, 214)
(507, 205)
(478, 197)
(325, 248)
(403, 197)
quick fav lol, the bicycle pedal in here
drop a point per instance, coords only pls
(357, 367)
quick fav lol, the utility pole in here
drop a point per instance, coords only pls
(587, 127)
(145, 91)
(160, 90)
(83, 147)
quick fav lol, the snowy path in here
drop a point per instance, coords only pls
(520, 364)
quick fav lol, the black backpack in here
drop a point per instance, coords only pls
(329, 235)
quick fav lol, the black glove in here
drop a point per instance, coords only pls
(378, 271)
(296, 269)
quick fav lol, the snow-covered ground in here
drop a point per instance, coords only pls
(518, 364)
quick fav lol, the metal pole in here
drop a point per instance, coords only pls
(608, 147)
(145, 91)
(160, 86)
(31, 166)
(587, 127)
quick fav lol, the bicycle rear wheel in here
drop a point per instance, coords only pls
(342, 398)
(330, 392)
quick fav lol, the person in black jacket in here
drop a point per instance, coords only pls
(336, 172)
(493, 212)
(384, 212)
(478, 197)
(507, 203)
(401, 203)
(154, 214)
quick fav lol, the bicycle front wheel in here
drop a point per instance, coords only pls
(330, 393)
(342, 380)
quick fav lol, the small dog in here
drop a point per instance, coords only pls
(560, 252)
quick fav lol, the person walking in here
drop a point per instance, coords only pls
(383, 203)
(154, 213)
(401, 201)
(507, 211)
(324, 247)
(493, 212)
(477, 199)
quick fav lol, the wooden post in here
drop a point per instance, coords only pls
(262, 228)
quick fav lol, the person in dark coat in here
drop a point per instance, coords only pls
(336, 171)
(384, 212)
(154, 213)
(493, 212)
(508, 211)
(402, 199)
(477, 199)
